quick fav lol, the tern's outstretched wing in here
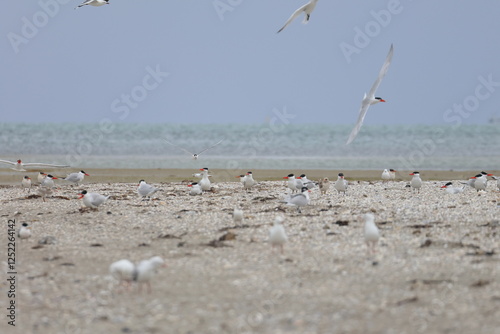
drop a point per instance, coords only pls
(220, 141)
(365, 104)
(382, 72)
(293, 17)
(191, 153)
(8, 162)
(36, 164)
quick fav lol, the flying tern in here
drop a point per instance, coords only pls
(307, 9)
(95, 3)
(371, 99)
(19, 165)
(195, 155)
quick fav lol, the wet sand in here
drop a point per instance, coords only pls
(436, 270)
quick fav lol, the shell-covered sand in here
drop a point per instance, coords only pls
(436, 270)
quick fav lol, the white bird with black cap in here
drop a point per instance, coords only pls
(341, 184)
(145, 190)
(371, 99)
(195, 189)
(92, 200)
(298, 200)
(450, 189)
(416, 181)
(26, 183)
(75, 177)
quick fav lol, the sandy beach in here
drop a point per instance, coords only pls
(436, 269)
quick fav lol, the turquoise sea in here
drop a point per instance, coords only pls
(262, 146)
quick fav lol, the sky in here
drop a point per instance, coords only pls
(222, 61)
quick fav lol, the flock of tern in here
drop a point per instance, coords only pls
(298, 187)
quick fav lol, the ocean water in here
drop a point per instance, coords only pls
(258, 146)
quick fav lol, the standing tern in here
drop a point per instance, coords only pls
(205, 183)
(341, 184)
(306, 182)
(92, 200)
(370, 99)
(299, 200)
(26, 182)
(146, 270)
(40, 176)
(277, 234)
(19, 165)
(386, 176)
(295, 184)
(75, 177)
(371, 232)
(48, 182)
(481, 181)
(307, 9)
(24, 231)
(195, 155)
(145, 190)
(416, 181)
(498, 181)
(124, 271)
(95, 3)
(248, 182)
(237, 216)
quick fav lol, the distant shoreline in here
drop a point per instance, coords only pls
(9, 177)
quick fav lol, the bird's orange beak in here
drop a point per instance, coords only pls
(189, 185)
(443, 186)
(80, 197)
(382, 100)
(285, 177)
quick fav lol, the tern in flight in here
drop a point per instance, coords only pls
(19, 165)
(95, 3)
(370, 99)
(195, 155)
(307, 9)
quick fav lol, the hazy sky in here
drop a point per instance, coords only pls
(221, 61)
